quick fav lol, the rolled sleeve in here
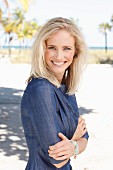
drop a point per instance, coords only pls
(43, 117)
(86, 135)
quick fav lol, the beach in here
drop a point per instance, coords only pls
(94, 98)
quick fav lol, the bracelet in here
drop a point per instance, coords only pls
(76, 151)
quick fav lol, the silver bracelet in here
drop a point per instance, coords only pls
(76, 151)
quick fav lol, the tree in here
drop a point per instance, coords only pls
(27, 31)
(104, 28)
(112, 20)
(16, 24)
(8, 26)
(24, 29)
(24, 3)
(3, 2)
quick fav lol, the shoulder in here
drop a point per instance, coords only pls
(40, 85)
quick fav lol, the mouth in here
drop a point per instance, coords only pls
(59, 63)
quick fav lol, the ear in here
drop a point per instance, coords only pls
(75, 56)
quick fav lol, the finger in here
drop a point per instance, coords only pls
(82, 122)
(57, 150)
(57, 145)
(63, 137)
(79, 119)
(84, 126)
(63, 153)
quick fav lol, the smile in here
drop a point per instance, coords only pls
(58, 63)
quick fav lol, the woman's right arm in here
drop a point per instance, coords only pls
(42, 113)
(65, 148)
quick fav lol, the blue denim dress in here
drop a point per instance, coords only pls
(45, 111)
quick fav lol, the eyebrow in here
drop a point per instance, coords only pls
(63, 46)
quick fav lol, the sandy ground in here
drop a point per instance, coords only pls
(95, 98)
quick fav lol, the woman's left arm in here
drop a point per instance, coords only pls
(65, 149)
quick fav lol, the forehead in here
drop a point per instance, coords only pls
(61, 36)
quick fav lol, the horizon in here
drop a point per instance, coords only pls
(29, 46)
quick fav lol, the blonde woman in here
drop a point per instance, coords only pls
(53, 129)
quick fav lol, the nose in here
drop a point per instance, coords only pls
(59, 54)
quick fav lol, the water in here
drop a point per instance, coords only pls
(28, 47)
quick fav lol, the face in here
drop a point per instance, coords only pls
(60, 49)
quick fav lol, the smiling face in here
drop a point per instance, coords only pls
(60, 49)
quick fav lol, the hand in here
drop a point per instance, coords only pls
(80, 130)
(62, 150)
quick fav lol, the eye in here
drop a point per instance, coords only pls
(51, 48)
(67, 48)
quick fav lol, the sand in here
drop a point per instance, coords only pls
(95, 98)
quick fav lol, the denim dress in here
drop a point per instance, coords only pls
(45, 111)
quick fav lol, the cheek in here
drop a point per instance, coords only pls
(46, 57)
(70, 56)
(49, 54)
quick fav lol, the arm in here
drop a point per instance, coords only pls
(80, 136)
(82, 143)
(65, 149)
(42, 114)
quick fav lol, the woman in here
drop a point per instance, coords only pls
(53, 129)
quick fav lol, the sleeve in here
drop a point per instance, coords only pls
(86, 135)
(43, 113)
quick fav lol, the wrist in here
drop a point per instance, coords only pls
(76, 150)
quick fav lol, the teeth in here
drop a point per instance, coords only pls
(60, 63)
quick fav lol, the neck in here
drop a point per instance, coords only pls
(59, 78)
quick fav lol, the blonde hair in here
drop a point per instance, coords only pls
(38, 66)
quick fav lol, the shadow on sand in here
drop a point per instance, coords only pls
(83, 110)
(12, 140)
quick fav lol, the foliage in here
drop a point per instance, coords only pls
(16, 25)
(104, 28)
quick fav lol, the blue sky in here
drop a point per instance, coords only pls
(88, 13)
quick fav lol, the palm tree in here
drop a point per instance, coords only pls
(104, 28)
(8, 26)
(14, 22)
(28, 30)
(112, 20)
(5, 2)
(25, 3)
(19, 19)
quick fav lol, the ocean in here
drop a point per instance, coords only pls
(28, 47)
